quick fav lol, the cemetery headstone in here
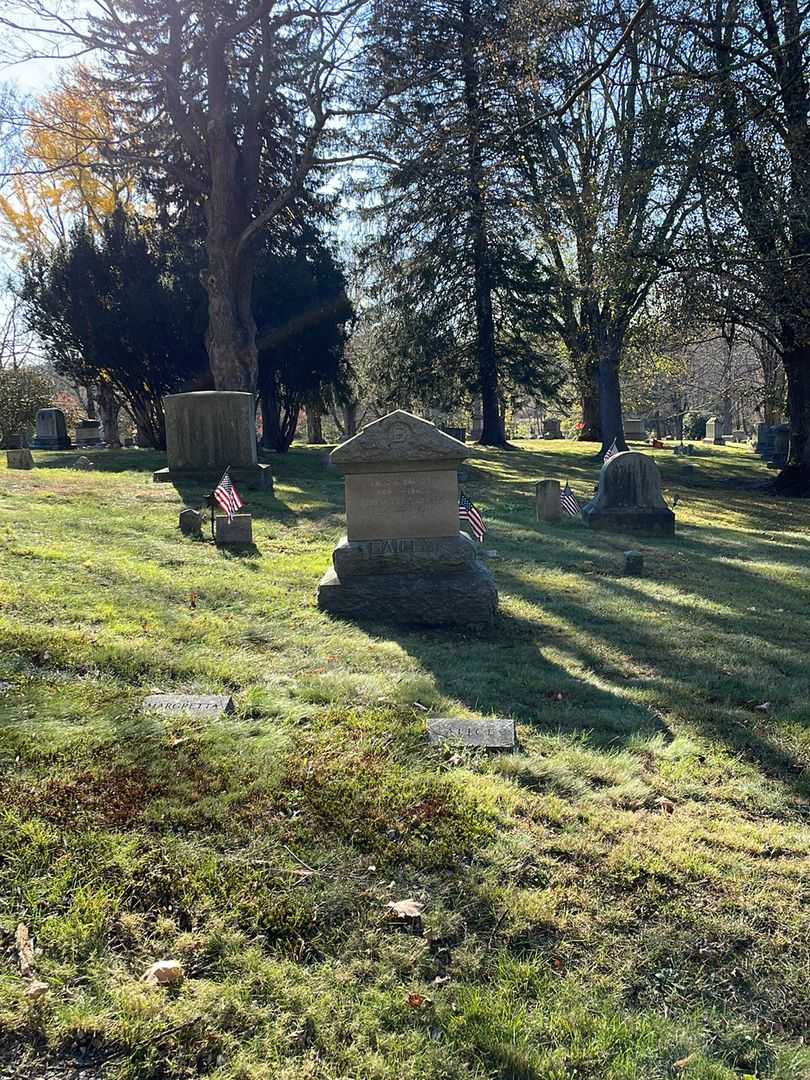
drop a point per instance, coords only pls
(191, 522)
(209, 430)
(629, 498)
(88, 433)
(494, 734)
(714, 431)
(236, 531)
(84, 463)
(634, 428)
(551, 428)
(459, 433)
(547, 500)
(781, 446)
(17, 440)
(633, 563)
(51, 432)
(210, 705)
(738, 435)
(19, 459)
(403, 558)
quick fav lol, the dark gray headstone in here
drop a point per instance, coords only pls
(211, 705)
(19, 459)
(497, 734)
(191, 522)
(239, 530)
(51, 431)
(88, 433)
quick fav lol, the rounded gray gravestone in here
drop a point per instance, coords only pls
(629, 498)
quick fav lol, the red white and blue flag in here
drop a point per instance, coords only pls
(470, 513)
(568, 501)
(611, 452)
(226, 497)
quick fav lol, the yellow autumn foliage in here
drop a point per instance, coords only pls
(65, 175)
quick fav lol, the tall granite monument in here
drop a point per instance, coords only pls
(629, 498)
(403, 558)
(51, 431)
(209, 430)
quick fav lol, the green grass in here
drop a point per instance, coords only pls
(625, 897)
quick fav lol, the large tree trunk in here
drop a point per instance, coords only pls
(108, 408)
(794, 479)
(587, 369)
(314, 425)
(231, 335)
(492, 433)
(610, 397)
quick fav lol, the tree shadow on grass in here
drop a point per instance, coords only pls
(505, 670)
(105, 461)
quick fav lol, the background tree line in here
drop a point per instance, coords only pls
(535, 193)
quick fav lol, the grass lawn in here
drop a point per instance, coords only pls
(625, 897)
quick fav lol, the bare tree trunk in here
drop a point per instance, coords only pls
(350, 419)
(492, 433)
(314, 425)
(610, 397)
(108, 408)
(91, 401)
(587, 377)
(231, 335)
(279, 419)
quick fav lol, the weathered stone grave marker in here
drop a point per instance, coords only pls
(209, 430)
(495, 734)
(235, 531)
(714, 431)
(403, 558)
(629, 497)
(551, 428)
(634, 428)
(209, 705)
(51, 431)
(190, 523)
(88, 433)
(19, 459)
(547, 500)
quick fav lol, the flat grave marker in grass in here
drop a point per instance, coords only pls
(494, 734)
(211, 705)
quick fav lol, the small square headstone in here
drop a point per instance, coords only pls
(19, 459)
(209, 705)
(633, 563)
(84, 463)
(495, 734)
(237, 530)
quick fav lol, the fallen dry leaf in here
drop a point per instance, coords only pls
(763, 707)
(164, 973)
(406, 909)
(683, 1062)
(418, 1001)
(36, 990)
(441, 980)
(667, 805)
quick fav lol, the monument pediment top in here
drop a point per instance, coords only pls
(397, 438)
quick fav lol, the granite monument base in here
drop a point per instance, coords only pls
(252, 477)
(51, 442)
(466, 598)
(423, 555)
(646, 521)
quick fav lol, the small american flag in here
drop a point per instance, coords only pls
(468, 512)
(612, 452)
(226, 497)
(568, 501)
